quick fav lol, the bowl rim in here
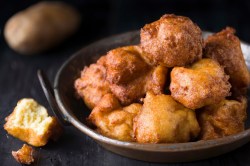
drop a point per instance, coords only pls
(162, 147)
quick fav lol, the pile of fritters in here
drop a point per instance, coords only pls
(172, 87)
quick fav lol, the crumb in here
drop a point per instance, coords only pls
(25, 155)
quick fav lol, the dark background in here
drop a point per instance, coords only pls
(101, 18)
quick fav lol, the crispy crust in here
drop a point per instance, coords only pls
(92, 85)
(163, 120)
(123, 72)
(131, 77)
(25, 155)
(204, 83)
(172, 41)
(113, 120)
(125, 64)
(223, 119)
(225, 47)
(128, 74)
(29, 135)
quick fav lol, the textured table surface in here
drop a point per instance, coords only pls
(18, 74)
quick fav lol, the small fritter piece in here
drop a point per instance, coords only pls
(112, 120)
(203, 83)
(130, 77)
(25, 155)
(223, 119)
(163, 120)
(92, 84)
(30, 123)
(172, 41)
(225, 47)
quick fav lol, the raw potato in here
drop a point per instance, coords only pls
(41, 27)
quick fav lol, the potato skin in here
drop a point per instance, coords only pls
(41, 27)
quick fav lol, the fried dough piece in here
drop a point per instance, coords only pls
(204, 83)
(25, 155)
(225, 47)
(92, 84)
(223, 119)
(30, 123)
(113, 120)
(163, 120)
(172, 41)
(130, 77)
(125, 64)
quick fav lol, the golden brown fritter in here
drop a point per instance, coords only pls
(30, 122)
(204, 83)
(225, 47)
(113, 120)
(115, 85)
(163, 120)
(92, 84)
(223, 119)
(130, 77)
(125, 64)
(25, 155)
(172, 41)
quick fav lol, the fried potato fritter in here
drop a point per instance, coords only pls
(172, 41)
(30, 122)
(125, 64)
(225, 47)
(92, 84)
(201, 84)
(130, 77)
(163, 120)
(127, 88)
(113, 120)
(25, 155)
(223, 119)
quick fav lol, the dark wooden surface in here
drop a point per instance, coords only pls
(101, 18)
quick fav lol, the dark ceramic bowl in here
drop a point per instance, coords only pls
(73, 111)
